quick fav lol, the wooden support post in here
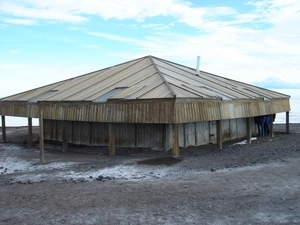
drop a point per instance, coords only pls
(219, 134)
(3, 129)
(111, 137)
(287, 128)
(249, 130)
(175, 148)
(41, 124)
(30, 137)
(271, 125)
(64, 137)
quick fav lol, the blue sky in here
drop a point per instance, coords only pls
(42, 42)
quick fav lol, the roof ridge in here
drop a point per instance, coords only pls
(162, 76)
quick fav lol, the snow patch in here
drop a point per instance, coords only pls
(132, 172)
(11, 165)
(244, 142)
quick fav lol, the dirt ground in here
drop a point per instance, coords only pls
(240, 184)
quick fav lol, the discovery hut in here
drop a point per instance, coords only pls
(147, 102)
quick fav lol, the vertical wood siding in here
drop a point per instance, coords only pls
(155, 136)
(164, 112)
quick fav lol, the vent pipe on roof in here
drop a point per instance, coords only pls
(198, 66)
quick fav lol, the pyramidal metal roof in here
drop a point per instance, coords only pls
(144, 78)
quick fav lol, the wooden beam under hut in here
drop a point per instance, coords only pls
(111, 137)
(30, 137)
(175, 135)
(41, 124)
(287, 128)
(3, 129)
(249, 130)
(219, 134)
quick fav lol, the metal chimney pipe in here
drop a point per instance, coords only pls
(198, 66)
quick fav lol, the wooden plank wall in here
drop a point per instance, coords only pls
(155, 136)
(96, 134)
(202, 133)
(163, 111)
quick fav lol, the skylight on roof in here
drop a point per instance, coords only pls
(42, 96)
(109, 94)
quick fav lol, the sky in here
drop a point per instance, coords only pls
(42, 42)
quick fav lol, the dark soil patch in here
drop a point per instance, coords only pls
(166, 161)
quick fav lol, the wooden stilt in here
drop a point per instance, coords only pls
(249, 130)
(175, 148)
(219, 134)
(111, 133)
(41, 124)
(271, 125)
(287, 128)
(30, 137)
(64, 137)
(3, 129)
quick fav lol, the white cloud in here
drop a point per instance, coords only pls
(75, 10)
(241, 54)
(19, 10)
(274, 11)
(160, 26)
(263, 41)
(20, 21)
(116, 37)
(270, 11)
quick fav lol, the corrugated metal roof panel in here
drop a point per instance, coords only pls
(31, 94)
(138, 79)
(85, 85)
(128, 92)
(161, 78)
(203, 91)
(156, 92)
(183, 93)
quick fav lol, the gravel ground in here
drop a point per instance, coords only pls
(240, 184)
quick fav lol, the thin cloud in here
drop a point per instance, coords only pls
(20, 21)
(207, 19)
(227, 39)
(116, 37)
(30, 12)
(158, 26)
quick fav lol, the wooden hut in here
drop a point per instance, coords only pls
(147, 102)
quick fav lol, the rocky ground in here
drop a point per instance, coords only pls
(240, 184)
